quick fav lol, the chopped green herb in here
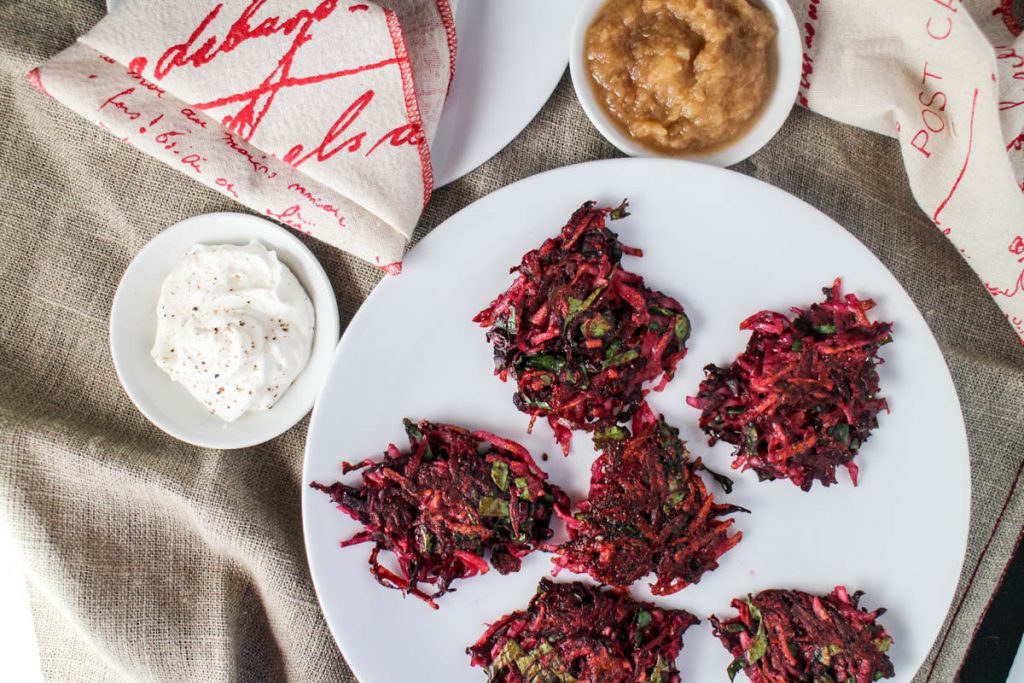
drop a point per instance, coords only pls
(660, 672)
(841, 433)
(682, 328)
(493, 507)
(499, 474)
(750, 440)
(735, 667)
(596, 327)
(722, 480)
(760, 645)
(622, 359)
(413, 431)
(512, 321)
(574, 306)
(545, 361)
(510, 652)
(620, 211)
(426, 539)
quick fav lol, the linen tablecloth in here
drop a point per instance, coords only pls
(148, 559)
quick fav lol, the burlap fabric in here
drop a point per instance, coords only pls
(151, 560)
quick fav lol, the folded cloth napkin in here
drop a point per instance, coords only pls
(317, 113)
(946, 78)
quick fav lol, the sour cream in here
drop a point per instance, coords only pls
(234, 327)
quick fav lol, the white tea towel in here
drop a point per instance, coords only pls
(947, 79)
(318, 114)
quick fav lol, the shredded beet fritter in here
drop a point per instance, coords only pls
(803, 397)
(574, 632)
(781, 636)
(439, 506)
(648, 511)
(579, 334)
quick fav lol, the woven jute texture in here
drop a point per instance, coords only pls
(148, 559)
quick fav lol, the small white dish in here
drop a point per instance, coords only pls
(787, 82)
(167, 404)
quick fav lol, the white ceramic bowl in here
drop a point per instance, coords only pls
(167, 404)
(774, 115)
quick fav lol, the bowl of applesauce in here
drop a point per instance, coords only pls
(705, 80)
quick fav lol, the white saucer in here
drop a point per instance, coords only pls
(511, 55)
(167, 404)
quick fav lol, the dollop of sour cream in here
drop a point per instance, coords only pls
(234, 327)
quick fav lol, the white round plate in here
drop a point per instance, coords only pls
(167, 404)
(509, 59)
(725, 246)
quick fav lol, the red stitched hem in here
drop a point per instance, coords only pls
(412, 107)
(974, 574)
(444, 8)
(36, 82)
(1006, 9)
(988, 605)
(389, 268)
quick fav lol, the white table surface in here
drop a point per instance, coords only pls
(18, 650)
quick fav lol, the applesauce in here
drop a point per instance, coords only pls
(682, 76)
